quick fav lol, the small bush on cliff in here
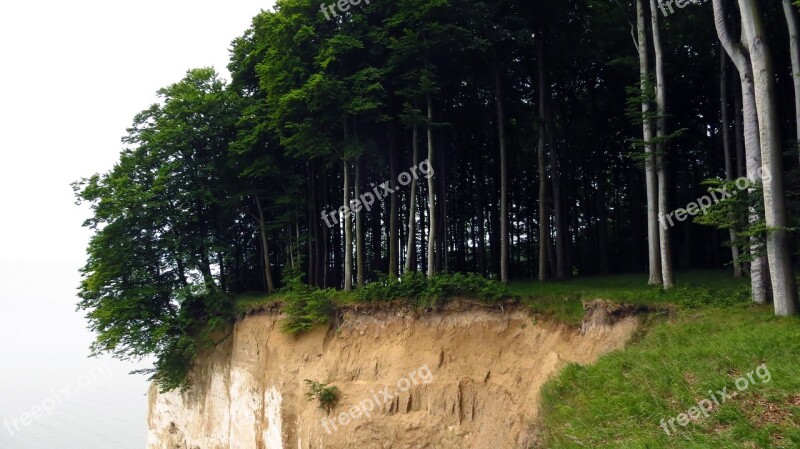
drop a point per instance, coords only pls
(326, 395)
(422, 290)
(305, 307)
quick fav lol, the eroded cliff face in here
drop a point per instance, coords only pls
(460, 379)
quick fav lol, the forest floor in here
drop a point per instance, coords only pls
(563, 300)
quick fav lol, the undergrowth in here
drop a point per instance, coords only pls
(307, 307)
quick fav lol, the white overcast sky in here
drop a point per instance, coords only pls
(72, 76)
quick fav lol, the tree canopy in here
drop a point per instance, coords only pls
(223, 185)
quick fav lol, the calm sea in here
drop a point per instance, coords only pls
(52, 395)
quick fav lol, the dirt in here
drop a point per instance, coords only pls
(461, 376)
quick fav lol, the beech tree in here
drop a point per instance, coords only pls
(784, 288)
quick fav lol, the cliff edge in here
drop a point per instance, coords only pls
(466, 378)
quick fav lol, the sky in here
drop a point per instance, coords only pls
(72, 77)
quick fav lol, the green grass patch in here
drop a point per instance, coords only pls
(620, 401)
(562, 301)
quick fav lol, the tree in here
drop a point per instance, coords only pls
(651, 180)
(752, 141)
(159, 216)
(784, 288)
(661, 136)
(790, 13)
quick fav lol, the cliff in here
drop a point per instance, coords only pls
(464, 378)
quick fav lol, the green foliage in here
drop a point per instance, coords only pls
(148, 288)
(422, 291)
(742, 211)
(327, 396)
(305, 306)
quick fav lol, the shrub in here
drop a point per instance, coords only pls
(305, 307)
(423, 291)
(327, 396)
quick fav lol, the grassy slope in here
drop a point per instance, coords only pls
(620, 401)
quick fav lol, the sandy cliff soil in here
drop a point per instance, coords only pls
(456, 379)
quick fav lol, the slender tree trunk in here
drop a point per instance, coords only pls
(752, 141)
(431, 196)
(790, 12)
(262, 226)
(661, 148)
(501, 135)
(541, 160)
(348, 230)
(412, 205)
(726, 148)
(784, 291)
(653, 237)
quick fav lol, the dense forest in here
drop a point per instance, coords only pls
(362, 141)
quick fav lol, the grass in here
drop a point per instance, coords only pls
(620, 401)
(562, 301)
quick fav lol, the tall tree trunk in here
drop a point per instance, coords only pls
(359, 230)
(412, 205)
(790, 12)
(348, 230)
(752, 141)
(726, 148)
(784, 290)
(501, 135)
(653, 237)
(431, 195)
(661, 148)
(544, 219)
(262, 227)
